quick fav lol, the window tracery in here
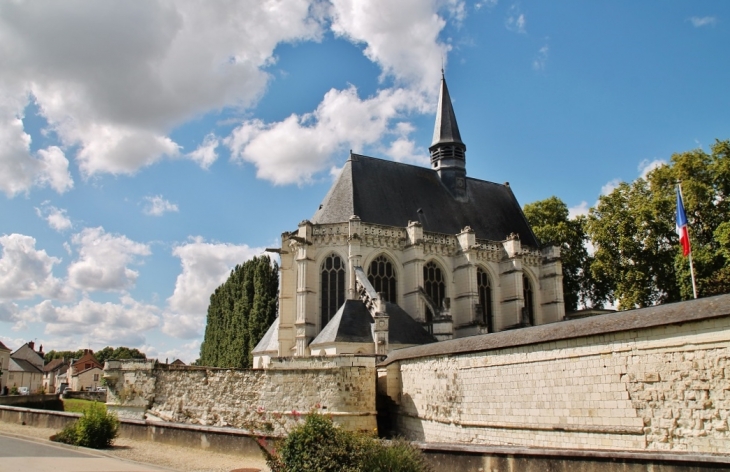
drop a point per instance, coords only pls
(382, 277)
(332, 291)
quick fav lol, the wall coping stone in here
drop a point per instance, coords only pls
(649, 456)
(660, 315)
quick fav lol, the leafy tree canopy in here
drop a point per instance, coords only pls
(551, 224)
(102, 355)
(240, 312)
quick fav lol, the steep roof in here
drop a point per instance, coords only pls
(270, 341)
(3, 347)
(21, 365)
(353, 323)
(446, 130)
(391, 193)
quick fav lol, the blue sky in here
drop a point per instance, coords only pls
(148, 147)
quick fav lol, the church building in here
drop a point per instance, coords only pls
(399, 255)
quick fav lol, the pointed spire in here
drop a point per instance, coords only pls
(446, 130)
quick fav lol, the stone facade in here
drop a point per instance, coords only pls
(661, 387)
(268, 402)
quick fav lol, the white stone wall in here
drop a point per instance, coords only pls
(266, 402)
(660, 388)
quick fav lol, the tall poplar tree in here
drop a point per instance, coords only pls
(240, 312)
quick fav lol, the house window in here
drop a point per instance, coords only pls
(484, 287)
(382, 277)
(333, 287)
(529, 300)
(96, 377)
(435, 288)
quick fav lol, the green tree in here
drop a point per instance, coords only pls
(551, 224)
(240, 312)
(638, 260)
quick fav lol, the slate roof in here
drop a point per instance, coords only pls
(21, 365)
(54, 364)
(270, 341)
(353, 323)
(391, 193)
(3, 347)
(446, 129)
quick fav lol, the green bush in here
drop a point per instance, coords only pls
(96, 428)
(319, 446)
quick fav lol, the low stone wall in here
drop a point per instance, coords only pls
(45, 402)
(91, 396)
(264, 402)
(652, 379)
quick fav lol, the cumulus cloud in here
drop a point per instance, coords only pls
(647, 166)
(205, 155)
(113, 78)
(401, 37)
(103, 260)
(485, 4)
(204, 267)
(26, 272)
(158, 206)
(580, 209)
(55, 217)
(609, 187)
(122, 323)
(700, 21)
(293, 150)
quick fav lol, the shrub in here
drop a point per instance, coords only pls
(319, 446)
(96, 428)
(13, 390)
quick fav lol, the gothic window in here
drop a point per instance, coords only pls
(435, 287)
(381, 276)
(484, 287)
(529, 300)
(333, 287)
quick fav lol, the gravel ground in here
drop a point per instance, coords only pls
(173, 457)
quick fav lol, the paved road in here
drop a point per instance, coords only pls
(35, 456)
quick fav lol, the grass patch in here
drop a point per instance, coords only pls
(75, 405)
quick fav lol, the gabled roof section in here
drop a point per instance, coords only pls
(270, 341)
(21, 365)
(402, 329)
(351, 324)
(54, 364)
(391, 193)
(446, 130)
(3, 347)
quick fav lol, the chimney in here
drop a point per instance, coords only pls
(31, 344)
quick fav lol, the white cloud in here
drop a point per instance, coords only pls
(26, 272)
(401, 37)
(123, 323)
(157, 206)
(485, 4)
(580, 209)
(205, 266)
(647, 166)
(205, 154)
(699, 22)
(103, 260)
(113, 78)
(293, 150)
(516, 20)
(55, 217)
(20, 170)
(541, 60)
(610, 186)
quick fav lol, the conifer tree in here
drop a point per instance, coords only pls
(240, 312)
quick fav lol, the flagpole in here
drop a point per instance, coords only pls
(691, 266)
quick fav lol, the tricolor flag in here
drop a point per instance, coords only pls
(682, 225)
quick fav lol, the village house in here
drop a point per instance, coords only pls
(4, 365)
(52, 373)
(25, 367)
(85, 373)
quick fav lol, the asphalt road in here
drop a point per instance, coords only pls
(35, 456)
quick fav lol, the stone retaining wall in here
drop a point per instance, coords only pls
(267, 402)
(646, 380)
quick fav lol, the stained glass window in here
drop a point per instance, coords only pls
(333, 287)
(382, 277)
(484, 287)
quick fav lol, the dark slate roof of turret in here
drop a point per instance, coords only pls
(353, 324)
(446, 129)
(392, 193)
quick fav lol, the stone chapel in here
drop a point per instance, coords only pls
(399, 255)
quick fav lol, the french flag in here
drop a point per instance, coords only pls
(682, 226)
